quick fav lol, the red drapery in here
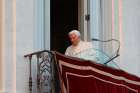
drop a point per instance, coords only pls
(81, 76)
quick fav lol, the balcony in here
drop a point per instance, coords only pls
(57, 73)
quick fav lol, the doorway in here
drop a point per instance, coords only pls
(64, 18)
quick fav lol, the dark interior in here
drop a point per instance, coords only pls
(64, 18)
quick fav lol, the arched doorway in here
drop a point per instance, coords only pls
(64, 18)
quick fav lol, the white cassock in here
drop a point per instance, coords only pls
(82, 50)
(86, 51)
(74, 50)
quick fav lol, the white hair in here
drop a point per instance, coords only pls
(75, 32)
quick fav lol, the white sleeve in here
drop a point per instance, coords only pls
(67, 51)
(89, 45)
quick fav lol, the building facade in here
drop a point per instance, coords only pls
(25, 27)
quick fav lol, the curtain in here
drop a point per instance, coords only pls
(82, 76)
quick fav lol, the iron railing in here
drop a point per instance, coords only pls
(46, 73)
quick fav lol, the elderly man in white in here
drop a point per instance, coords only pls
(78, 48)
(85, 50)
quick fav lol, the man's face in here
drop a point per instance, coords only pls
(74, 39)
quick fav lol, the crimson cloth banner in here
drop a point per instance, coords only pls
(82, 76)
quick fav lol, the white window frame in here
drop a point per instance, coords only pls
(82, 23)
(42, 25)
(93, 27)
